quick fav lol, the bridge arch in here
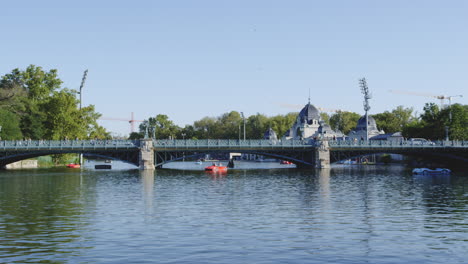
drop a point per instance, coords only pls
(448, 158)
(298, 158)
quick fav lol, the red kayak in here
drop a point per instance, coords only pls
(216, 168)
(73, 165)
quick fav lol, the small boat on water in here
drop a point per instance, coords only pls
(199, 162)
(285, 162)
(216, 168)
(426, 171)
(73, 166)
(102, 167)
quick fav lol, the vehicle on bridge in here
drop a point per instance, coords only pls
(420, 141)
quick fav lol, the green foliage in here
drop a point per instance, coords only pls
(394, 121)
(44, 109)
(256, 126)
(344, 121)
(459, 124)
(165, 128)
(282, 123)
(135, 135)
(433, 121)
(10, 126)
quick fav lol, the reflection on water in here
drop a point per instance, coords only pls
(339, 215)
(147, 179)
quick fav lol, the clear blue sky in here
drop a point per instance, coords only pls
(191, 59)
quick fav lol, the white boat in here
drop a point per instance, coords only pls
(199, 162)
(426, 171)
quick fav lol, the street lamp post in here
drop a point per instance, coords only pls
(367, 96)
(447, 128)
(81, 94)
(243, 117)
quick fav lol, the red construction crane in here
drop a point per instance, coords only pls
(132, 121)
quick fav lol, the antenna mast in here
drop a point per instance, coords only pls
(367, 96)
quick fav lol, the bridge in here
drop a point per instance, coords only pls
(150, 153)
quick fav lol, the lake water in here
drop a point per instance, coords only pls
(349, 214)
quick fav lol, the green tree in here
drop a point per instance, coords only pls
(394, 121)
(136, 135)
(10, 129)
(456, 119)
(165, 128)
(62, 119)
(433, 122)
(206, 128)
(282, 123)
(344, 121)
(257, 125)
(44, 109)
(228, 125)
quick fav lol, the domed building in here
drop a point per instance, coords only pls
(360, 131)
(270, 134)
(309, 125)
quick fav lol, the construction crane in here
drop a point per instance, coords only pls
(132, 121)
(440, 97)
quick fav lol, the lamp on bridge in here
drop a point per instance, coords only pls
(243, 117)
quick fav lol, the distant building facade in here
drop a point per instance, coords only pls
(309, 125)
(270, 134)
(359, 133)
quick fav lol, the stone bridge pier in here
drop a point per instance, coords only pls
(146, 155)
(322, 155)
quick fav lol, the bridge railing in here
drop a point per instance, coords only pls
(397, 144)
(68, 144)
(230, 143)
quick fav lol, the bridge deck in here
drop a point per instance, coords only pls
(165, 145)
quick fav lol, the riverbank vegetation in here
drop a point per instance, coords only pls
(34, 105)
(431, 124)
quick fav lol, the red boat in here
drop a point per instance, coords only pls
(216, 168)
(73, 166)
(286, 162)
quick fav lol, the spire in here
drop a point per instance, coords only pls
(309, 95)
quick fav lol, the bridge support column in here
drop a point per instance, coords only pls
(322, 155)
(146, 156)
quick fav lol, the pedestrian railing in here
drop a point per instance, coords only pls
(68, 144)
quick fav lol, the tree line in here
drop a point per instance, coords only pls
(34, 105)
(431, 124)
